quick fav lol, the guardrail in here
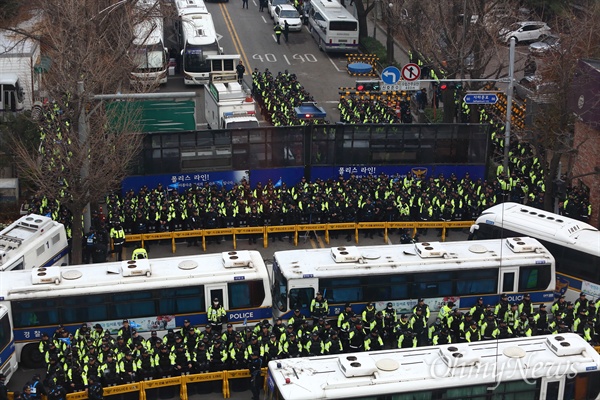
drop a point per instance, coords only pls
(295, 230)
(182, 381)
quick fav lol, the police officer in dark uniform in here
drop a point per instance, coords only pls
(211, 221)
(193, 223)
(95, 391)
(254, 366)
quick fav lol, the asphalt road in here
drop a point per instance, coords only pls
(249, 33)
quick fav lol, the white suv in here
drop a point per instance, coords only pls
(525, 31)
(287, 12)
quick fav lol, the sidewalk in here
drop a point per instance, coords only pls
(380, 33)
(400, 49)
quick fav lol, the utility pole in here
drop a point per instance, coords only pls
(82, 127)
(509, 96)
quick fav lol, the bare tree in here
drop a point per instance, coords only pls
(458, 37)
(362, 11)
(553, 125)
(85, 150)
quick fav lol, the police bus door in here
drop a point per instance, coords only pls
(218, 291)
(553, 388)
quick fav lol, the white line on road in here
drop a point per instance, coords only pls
(264, 19)
(286, 60)
(334, 66)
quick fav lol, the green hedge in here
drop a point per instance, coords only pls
(374, 46)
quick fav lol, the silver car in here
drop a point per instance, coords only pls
(550, 42)
(526, 31)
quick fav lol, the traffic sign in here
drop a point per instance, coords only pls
(411, 72)
(481, 98)
(390, 75)
(401, 86)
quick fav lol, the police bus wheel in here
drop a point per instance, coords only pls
(31, 356)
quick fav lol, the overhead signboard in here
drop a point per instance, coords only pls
(402, 86)
(481, 98)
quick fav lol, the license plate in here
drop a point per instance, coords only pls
(342, 40)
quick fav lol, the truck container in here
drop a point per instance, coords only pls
(227, 104)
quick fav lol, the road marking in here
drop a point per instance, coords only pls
(332, 63)
(286, 59)
(237, 43)
(321, 240)
(264, 19)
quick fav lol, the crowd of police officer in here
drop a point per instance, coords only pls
(361, 109)
(369, 198)
(356, 199)
(278, 95)
(92, 352)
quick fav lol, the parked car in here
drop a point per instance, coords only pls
(526, 31)
(288, 13)
(532, 87)
(274, 3)
(550, 42)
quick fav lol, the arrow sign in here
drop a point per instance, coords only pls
(481, 98)
(390, 75)
(411, 72)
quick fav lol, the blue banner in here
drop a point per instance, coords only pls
(475, 171)
(289, 176)
(292, 175)
(183, 181)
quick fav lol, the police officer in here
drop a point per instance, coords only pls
(117, 235)
(139, 253)
(473, 334)
(278, 31)
(254, 366)
(319, 307)
(356, 337)
(333, 344)
(237, 354)
(94, 390)
(373, 341)
(216, 316)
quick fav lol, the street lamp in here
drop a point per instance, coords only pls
(391, 30)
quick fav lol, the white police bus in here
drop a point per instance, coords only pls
(574, 244)
(332, 26)
(438, 272)
(8, 359)
(198, 40)
(154, 294)
(33, 241)
(150, 56)
(552, 367)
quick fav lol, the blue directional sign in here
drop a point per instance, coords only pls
(481, 98)
(390, 75)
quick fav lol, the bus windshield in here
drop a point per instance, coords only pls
(194, 57)
(346, 26)
(5, 332)
(150, 58)
(279, 290)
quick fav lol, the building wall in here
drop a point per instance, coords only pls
(587, 160)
